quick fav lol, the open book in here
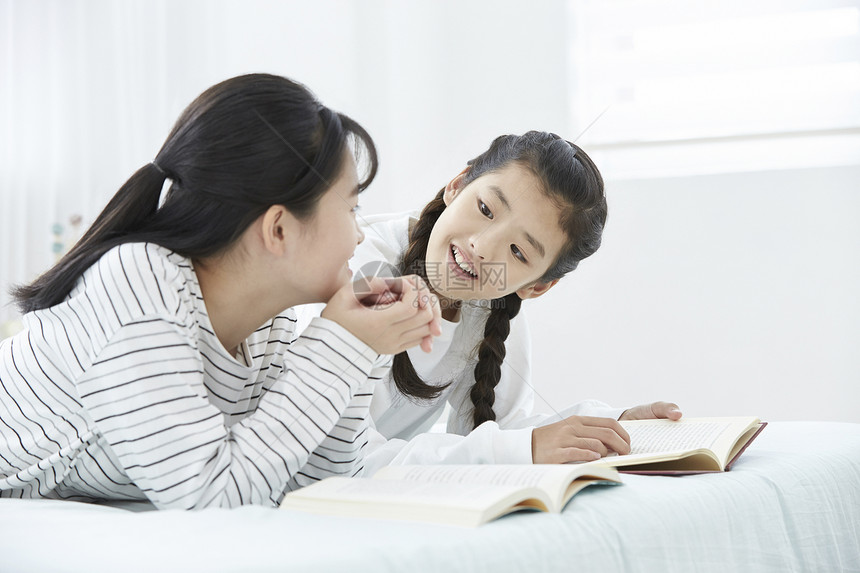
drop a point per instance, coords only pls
(688, 446)
(467, 495)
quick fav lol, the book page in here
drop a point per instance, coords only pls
(401, 490)
(650, 439)
(555, 480)
(467, 504)
(520, 475)
(342, 491)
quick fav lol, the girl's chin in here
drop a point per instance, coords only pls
(345, 276)
(452, 295)
(335, 285)
(437, 285)
(465, 295)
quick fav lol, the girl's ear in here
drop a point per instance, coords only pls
(453, 188)
(278, 226)
(535, 290)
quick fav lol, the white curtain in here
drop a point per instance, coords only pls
(74, 86)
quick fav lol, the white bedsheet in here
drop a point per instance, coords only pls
(791, 503)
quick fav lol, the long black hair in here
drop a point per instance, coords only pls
(569, 178)
(243, 145)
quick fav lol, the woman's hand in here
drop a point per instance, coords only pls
(668, 410)
(388, 314)
(578, 439)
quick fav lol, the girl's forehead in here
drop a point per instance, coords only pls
(517, 189)
(513, 173)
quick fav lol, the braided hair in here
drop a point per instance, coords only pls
(413, 262)
(572, 181)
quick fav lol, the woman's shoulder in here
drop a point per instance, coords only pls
(142, 279)
(144, 261)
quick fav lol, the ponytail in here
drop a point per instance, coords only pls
(127, 212)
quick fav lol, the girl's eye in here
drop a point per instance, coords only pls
(485, 210)
(518, 253)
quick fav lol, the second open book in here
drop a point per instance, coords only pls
(688, 446)
(456, 495)
(472, 495)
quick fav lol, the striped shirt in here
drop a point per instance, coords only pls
(123, 391)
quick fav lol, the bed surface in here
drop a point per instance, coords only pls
(790, 503)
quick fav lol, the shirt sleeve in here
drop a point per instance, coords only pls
(486, 444)
(342, 451)
(146, 396)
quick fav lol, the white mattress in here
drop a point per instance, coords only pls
(791, 503)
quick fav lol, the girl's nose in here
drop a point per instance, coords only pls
(359, 233)
(479, 246)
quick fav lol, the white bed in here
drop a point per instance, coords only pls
(791, 503)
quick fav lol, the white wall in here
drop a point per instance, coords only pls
(443, 78)
(726, 293)
(730, 293)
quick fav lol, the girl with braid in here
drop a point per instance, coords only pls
(506, 229)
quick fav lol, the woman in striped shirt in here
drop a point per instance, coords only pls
(157, 359)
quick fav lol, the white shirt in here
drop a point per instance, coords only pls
(400, 433)
(123, 391)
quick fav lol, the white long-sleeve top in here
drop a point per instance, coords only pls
(400, 426)
(123, 391)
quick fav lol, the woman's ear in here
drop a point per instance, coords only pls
(535, 290)
(453, 188)
(277, 229)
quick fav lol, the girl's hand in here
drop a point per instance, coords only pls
(668, 410)
(578, 439)
(388, 314)
(379, 292)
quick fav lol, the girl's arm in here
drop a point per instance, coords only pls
(487, 444)
(354, 431)
(145, 394)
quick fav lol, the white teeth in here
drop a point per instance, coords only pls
(461, 261)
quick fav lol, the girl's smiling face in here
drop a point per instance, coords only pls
(498, 234)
